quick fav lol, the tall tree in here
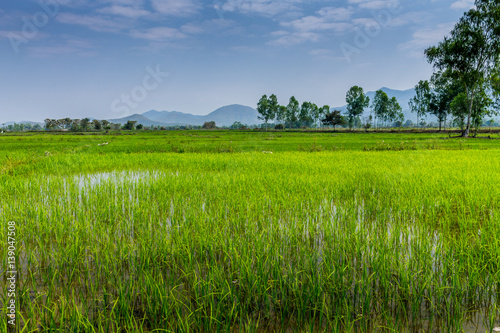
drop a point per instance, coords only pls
(84, 123)
(130, 125)
(420, 103)
(49, 124)
(97, 125)
(395, 111)
(323, 111)
(281, 114)
(263, 109)
(273, 106)
(470, 54)
(292, 111)
(75, 124)
(67, 123)
(105, 124)
(305, 115)
(315, 113)
(380, 105)
(357, 101)
(444, 90)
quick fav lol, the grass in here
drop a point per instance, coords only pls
(200, 231)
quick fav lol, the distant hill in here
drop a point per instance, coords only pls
(227, 115)
(25, 122)
(140, 120)
(224, 116)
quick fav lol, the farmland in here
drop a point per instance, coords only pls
(229, 231)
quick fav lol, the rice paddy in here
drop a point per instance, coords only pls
(201, 231)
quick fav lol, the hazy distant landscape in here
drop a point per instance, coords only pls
(228, 115)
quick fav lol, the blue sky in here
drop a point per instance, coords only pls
(113, 58)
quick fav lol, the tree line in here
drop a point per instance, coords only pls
(86, 124)
(294, 115)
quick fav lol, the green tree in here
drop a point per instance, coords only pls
(292, 111)
(49, 124)
(357, 101)
(444, 90)
(315, 113)
(84, 123)
(238, 125)
(323, 111)
(97, 125)
(130, 125)
(263, 109)
(368, 123)
(395, 112)
(105, 125)
(380, 106)
(421, 102)
(273, 107)
(281, 114)
(209, 125)
(333, 119)
(75, 125)
(67, 123)
(470, 54)
(305, 115)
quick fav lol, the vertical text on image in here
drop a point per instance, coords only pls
(11, 272)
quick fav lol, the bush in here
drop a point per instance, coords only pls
(209, 125)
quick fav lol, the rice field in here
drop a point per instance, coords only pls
(201, 231)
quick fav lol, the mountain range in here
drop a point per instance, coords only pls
(224, 116)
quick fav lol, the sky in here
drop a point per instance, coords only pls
(108, 59)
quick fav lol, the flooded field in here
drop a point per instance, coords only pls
(333, 241)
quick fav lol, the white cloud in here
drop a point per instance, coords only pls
(126, 11)
(133, 3)
(209, 26)
(68, 47)
(311, 28)
(96, 23)
(293, 38)
(375, 4)
(261, 7)
(72, 3)
(176, 7)
(424, 38)
(463, 4)
(315, 23)
(158, 34)
(336, 13)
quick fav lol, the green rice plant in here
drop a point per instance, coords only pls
(142, 239)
